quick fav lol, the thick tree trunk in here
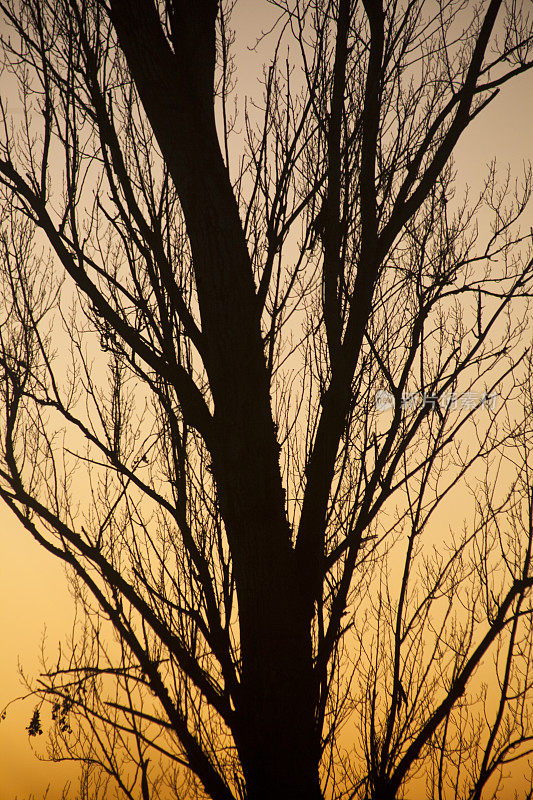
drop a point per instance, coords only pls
(279, 748)
(275, 730)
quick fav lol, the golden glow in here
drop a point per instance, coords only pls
(34, 592)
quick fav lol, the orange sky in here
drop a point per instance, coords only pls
(33, 590)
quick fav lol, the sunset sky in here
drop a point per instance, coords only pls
(34, 594)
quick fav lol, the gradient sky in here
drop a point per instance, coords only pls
(34, 595)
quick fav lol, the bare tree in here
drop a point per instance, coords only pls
(200, 303)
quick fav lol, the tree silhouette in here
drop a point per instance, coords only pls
(200, 302)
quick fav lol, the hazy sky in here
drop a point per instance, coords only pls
(34, 593)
